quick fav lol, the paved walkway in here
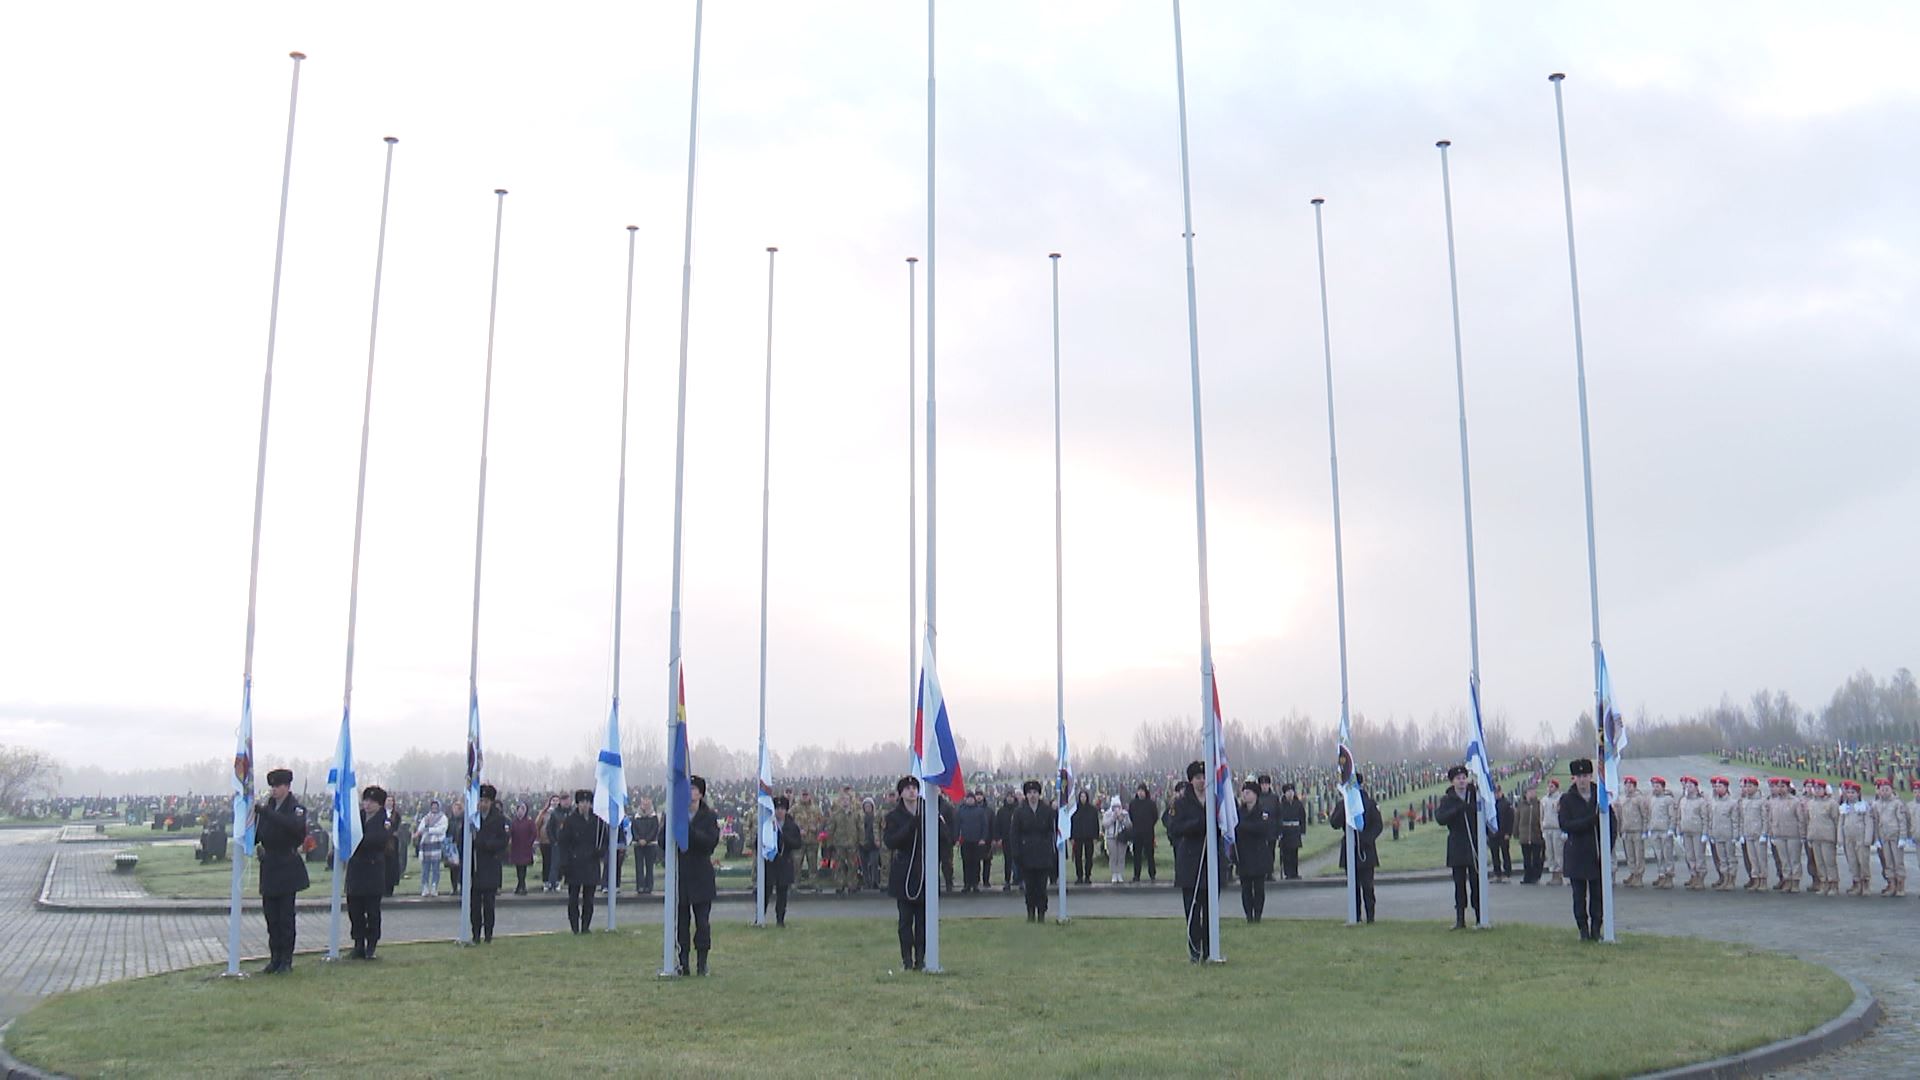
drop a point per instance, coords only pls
(1872, 939)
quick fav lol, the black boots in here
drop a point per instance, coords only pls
(359, 950)
(701, 963)
(1459, 918)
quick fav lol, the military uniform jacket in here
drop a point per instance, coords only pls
(1786, 818)
(1366, 844)
(489, 846)
(1823, 821)
(1033, 828)
(279, 830)
(1892, 820)
(906, 877)
(581, 849)
(696, 863)
(1753, 816)
(1187, 828)
(786, 839)
(1252, 841)
(1856, 822)
(1291, 821)
(367, 869)
(1462, 818)
(1634, 811)
(1580, 819)
(1723, 818)
(1694, 814)
(1663, 812)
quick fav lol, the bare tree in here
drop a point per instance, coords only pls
(25, 774)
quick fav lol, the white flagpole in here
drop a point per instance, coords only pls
(1339, 569)
(1586, 472)
(766, 501)
(930, 816)
(1209, 870)
(671, 900)
(465, 935)
(1466, 496)
(619, 588)
(1059, 596)
(259, 497)
(913, 521)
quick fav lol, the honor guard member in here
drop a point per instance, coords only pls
(1550, 833)
(1034, 825)
(489, 850)
(1580, 818)
(779, 878)
(280, 827)
(843, 837)
(1753, 831)
(1856, 836)
(1693, 823)
(1632, 809)
(1366, 844)
(367, 873)
(1663, 822)
(1892, 827)
(1459, 811)
(582, 854)
(812, 822)
(1786, 834)
(1253, 853)
(1823, 835)
(1194, 853)
(1723, 833)
(907, 881)
(696, 875)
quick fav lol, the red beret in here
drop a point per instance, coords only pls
(1660, 780)
(1850, 784)
(1883, 780)
(1745, 780)
(1722, 780)
(1630, 780)
(1689, 779)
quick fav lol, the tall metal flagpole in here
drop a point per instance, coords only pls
(259, 497)
(913, 521)
(930, 814)
(1466, 496)
(1339, 571)
(465, 934)
(1059, 595)
(1593, 560)
(619, 579)
(766, 502)
(671, 910)
(1209, 871)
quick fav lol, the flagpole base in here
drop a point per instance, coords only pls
(233, 975)
(1062, 921)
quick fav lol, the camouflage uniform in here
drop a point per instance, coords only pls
(807, 815)
(843, 836)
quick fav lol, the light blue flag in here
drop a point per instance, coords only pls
(243, 772)
(476, 760)
(610, 778)
(343, 788)
(1613, 737)
(1063, 825)
(1479, 764)
(769, 836)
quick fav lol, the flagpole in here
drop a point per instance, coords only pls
(259, 497)
(930, 816)
(465, 935)
(1059, 605)
(671, 901)
(1466, 496)
(913, 521)
(619, 594)
(766, 500)
(1339, 577)
(1209, 871)
(1586, 473)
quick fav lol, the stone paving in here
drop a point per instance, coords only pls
(1873, 939)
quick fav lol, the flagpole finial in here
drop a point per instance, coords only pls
(633, 228)
(499, 191)
(771, 250)
(913, 258)
(1053, 254)
(1556, 76)
(1444, 143)
(1316, 200)
(390, 140)
(298, 55)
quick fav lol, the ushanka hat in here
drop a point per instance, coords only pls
(373, 793)
(488, 791)
(1583, 767)
(276, 777)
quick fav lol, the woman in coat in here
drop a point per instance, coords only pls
(1034, 824)
(521, 838)
(1253, 851)
(787, 840)
(696, 875)
(1085, 833)
(1459, 811)
(1115, 824)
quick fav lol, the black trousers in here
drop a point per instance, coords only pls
(1083, 860)
(1533, 859)
(280, 926)
(1466, 883)
(974, 857)
(696, 921)
(1035, 883)
(546, 863)
(1502, 852)
(1588, 910)
(913, 930)
(363, 917)
(643, 870)
(1363, 877)
(1143, 852)
(776, 898)
(1290, 863)
(1195, 900)
(1253, 896)
(519, 878)
(1009, 870)
(580, 906)
(480, 914)
(946, 867)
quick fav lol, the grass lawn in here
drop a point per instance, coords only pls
(1393, 1000)
(1425, 848)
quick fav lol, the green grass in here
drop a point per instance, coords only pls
(169, 870)
(1425, 848)
(1099, 997)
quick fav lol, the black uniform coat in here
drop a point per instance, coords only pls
(1292, 822)
(906, 877)
(1366, 844)
(696, 863)
(1033, 829)
(1462, 818)
(489, 848)
(1002, 826)
(367, 869)
(1144, 815)
(1253, 842)
(278, 833)
(1580, 820)
(581, 849)
(780, 867)
(1187, 828)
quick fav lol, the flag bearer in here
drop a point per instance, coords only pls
(367, 873)
(1580, 817)
(696, 875)
(907, 880)
(280, 827)
(1193, 855)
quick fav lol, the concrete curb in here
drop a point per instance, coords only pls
(12, 1068)
(1850, 1026)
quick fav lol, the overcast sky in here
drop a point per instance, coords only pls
(1743, 178)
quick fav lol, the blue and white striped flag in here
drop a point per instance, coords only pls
(1479, 764)
(1613, 737)
(610, 778)
(769, 835)
(343, 788)
(1063, 823)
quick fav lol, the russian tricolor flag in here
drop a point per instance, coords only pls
(936, 761)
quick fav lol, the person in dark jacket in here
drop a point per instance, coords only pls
(1270, 802)
(1459, 811)
(1034, 823)
(1580, 820)
(1365, 843)
(280, 828)
(696, 882)
(580, 849)
(907, 881)
(787, 840)
(1292, 825)
(397, 837)
(1144, 815)
(1084, 828)
(367, 873)
(1501, 845)
(1253, 851)
(975, 820)
(490, 842)
(1009, 850)
(522, 838)
(646, 847)
(1189, 830)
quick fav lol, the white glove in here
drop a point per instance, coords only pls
(1876, 845)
